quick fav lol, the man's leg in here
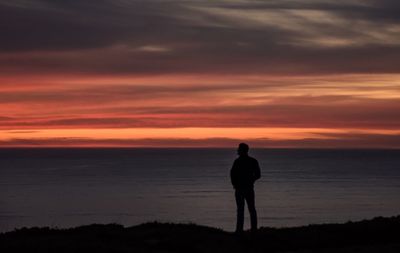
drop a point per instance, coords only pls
(239, 196)
(250, 199)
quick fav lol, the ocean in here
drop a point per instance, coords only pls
(77, 186)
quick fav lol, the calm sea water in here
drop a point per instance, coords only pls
(70, 187)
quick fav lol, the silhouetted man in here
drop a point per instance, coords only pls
(245, 171)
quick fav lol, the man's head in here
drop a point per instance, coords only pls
(243, 149)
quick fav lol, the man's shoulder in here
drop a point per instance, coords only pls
(253, 159)
(246, 160)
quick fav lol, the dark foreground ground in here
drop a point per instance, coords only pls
(376, 235)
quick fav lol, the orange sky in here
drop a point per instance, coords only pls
(294, 74)
(243, 108)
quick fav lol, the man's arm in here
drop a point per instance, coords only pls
(257, 171)
(233, 174)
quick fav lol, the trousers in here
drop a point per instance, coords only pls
(242, 195)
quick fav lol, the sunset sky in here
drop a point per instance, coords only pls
(197, 73)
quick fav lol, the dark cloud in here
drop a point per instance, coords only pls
(154, 37)
(121, 92)
(65, 25)
(22, 132)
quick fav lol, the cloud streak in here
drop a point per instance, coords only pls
(340, 141)
(324, 102)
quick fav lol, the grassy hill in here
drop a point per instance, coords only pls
(376, 235)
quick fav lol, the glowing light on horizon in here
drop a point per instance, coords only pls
(189, 133)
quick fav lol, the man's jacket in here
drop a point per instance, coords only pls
(245, 171)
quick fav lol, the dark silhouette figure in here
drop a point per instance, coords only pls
(245, 171)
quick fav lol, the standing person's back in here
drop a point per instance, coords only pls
(245, 171)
